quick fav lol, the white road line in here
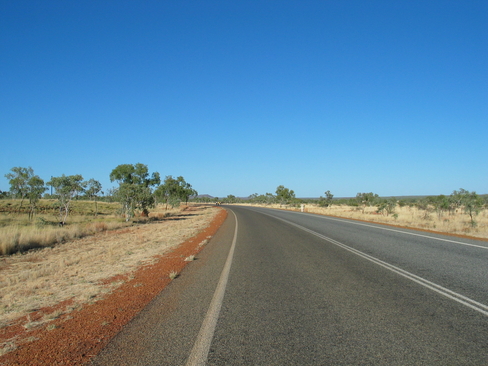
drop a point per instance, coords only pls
(403, 232)
(382, 227)
(475, 305)
(199, 353)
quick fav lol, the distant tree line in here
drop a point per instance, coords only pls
(462, 200)
(137, 190)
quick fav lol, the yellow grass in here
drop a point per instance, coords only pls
(458, 223)
(16, 238)
(75, 269)
(18, 233)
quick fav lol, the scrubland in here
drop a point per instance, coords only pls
(71, 263)
(457, 223)
(19, 233)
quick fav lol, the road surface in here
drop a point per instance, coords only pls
(285, 288)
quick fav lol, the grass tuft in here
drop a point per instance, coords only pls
(7, 347)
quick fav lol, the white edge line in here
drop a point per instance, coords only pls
(405, 232)
(199, 353)
(473, 304)
(379, 226)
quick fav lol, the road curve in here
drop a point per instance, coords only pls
(305, 289)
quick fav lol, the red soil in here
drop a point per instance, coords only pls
(80, 335)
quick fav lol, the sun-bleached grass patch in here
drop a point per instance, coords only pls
(20, 238)
(77, 269)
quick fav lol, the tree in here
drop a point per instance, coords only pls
(186, 190)
(135, 188)
(471, 202)
(284, 195)
(19, 182)
(440, 203)
(270, 198)
(35, 190)
(66, 188)
(327, 201)
(366, 199)
(230, 199)
(174, 190)
(92, 189)
(387, 206)
(168, 192)
(134, 174)
(455, 201)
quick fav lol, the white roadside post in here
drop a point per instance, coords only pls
(302, 206)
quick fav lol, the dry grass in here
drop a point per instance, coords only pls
(19, 234)
(406, 216)
(77, 269)
(17, 238)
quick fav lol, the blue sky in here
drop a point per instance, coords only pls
(239, 97)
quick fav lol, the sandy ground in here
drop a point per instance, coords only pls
(68, 321)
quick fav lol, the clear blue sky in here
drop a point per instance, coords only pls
(239, 97)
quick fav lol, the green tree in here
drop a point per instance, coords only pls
(366, 199)
(174, 190)
(327, 200)
(230, 199)
(167, 192)
(92, 189)
(470, 201)
(66, 188)
(270, 198)
(186, 190)
(35, 190)
(19, 182)
(387, 206)
(439, 203)
(135, 188)
(455, 201)
(284, 195)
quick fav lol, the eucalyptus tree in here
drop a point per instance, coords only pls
(366, 199)
(270, 198)
(284, 195)
(440, 203)
(66, 188)
(174, 190)
(93, 188)
(168, 192)
(230, 199)
(186, 190)
(387, 206)
(19, 182)
(471, 202)
(36, 188)
(327, 200)
(135, 188)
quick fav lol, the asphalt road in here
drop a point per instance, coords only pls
(282, 288)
